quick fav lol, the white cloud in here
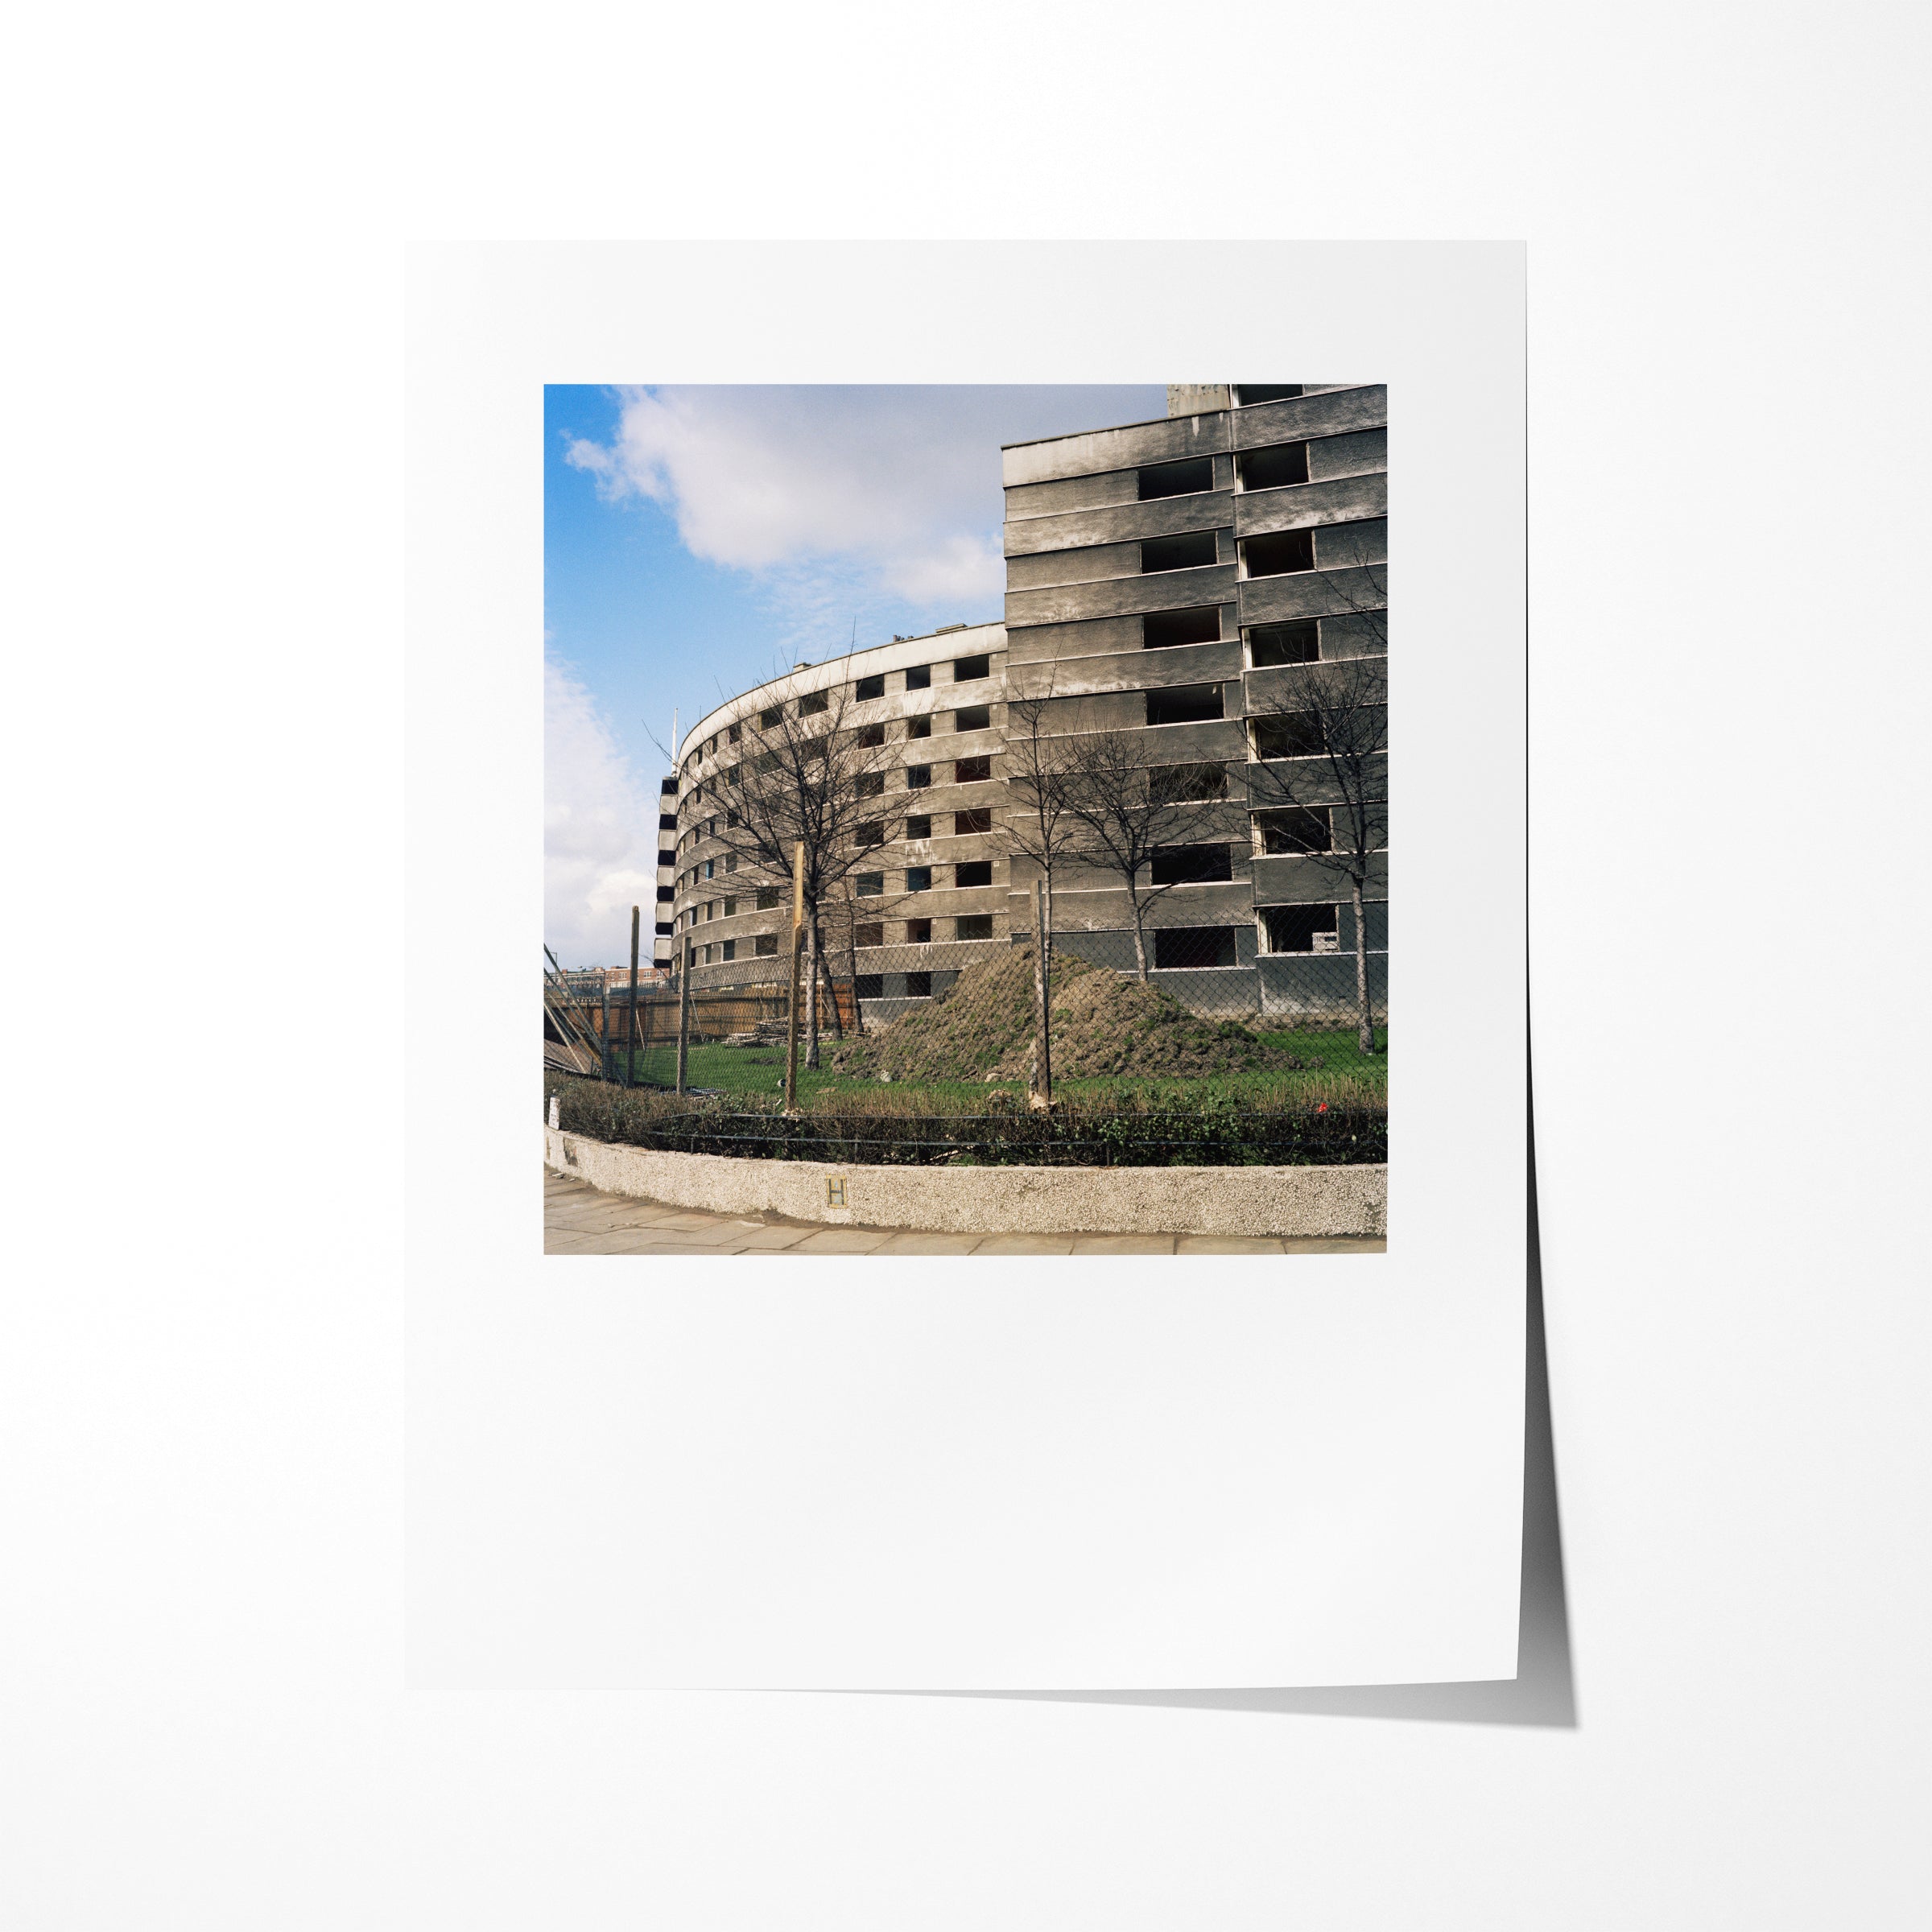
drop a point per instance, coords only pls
(600, 831)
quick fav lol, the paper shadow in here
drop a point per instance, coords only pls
(1542, 1692)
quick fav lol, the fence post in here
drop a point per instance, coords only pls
(1041, 1098)
(609, 1058)
(791, 1005)
(684, 1012)
(630, 1024)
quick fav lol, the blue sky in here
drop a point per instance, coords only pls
(698, 539)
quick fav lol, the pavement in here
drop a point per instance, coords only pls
(579, 1218)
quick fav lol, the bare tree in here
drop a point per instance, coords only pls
(1129, 809)
(807, 776)
(1320, 787)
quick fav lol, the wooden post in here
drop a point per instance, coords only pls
(791, 1005)
(630, 1024)
(684, 1013)
(1041, 1098)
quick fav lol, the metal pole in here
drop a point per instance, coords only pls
(630, 1024)
(791, 1005)
(684, 1013)
(1042, 1095)
(604, 1025)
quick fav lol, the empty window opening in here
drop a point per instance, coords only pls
(918, 825)
(1302, 928)
(974, 872)
(973, 926)
(869, 985)
(918, 727)
(1160, 628)
(1192, 865)
(918, 932)
(667, 821)
(1190, 552)
(971, 771)
(1174, 784)
(1247, 394)
(1289, 734)
(731, 861)
(666, 893)
(918, 878)
(972, 717)
(870, 735)
(1184, 705)
(1185, 479)
(764, 946)
(1297, 643)
(732, 736)
(813, 703)
(711, 869)
(729, 950)
(1298, 828)
(730, 909)
(919, 985)
(767, 719)
(966, 670)
(979, 818)
(1274, 467)
(918, 777)
(1279, 553)
(871, 933)
(868, 784)
(1194, 948)
(870, 687)
(868, 885)
(918, 677)
(872, 832)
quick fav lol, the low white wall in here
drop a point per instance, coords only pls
(1307, 1201)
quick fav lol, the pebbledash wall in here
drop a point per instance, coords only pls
(1175, 577)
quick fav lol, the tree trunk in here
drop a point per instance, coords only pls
(1365, 1033)
(1040, 1082)
(832, 985)
(1140, 943)
(811, 992)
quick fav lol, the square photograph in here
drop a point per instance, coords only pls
(967, 819)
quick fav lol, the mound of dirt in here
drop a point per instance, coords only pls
(1102, 1024)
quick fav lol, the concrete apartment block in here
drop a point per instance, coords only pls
(1145, 563)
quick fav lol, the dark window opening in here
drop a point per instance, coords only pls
(665, 927)
(870, 735)
(868, 785)
(966, 670)
(813, 703)
(1192, 865)
(979, 818)
(973, 872)
(1174, 784)
(1185, 479)
(1279, 553)
(919, 985)
(764, 946)
(1160, 628)
(973, 926)
(1290, 734)
(732, 736)
(918, 677)
(918, 825)
(1302, 928)
(1190, 552)
(972, 717)
(971, 771)
(870, 687)
(918, 777)
(1296, 643)
(918, 932)
(1185, 948)
(872, 832)
(767, 719)
(730, 949)
(1274, 467)
(918, 878)
(1299, 828)
(667, 855)
(871, 933)
(868, 885)
(731, 861)
(730, 909)
(1247, 394)
(918, 727)
(667, 821)
(1184, 705)
(869, 985)
(666, 892)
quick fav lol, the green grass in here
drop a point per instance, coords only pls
(1343, 1075)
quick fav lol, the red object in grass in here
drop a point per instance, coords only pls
(1322, 1109)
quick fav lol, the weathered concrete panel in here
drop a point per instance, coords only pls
(1076, 492)
(1276, 687)
(1164, 590)
(1348, 456)
(1339, 546)
(1138, 668)
(1088, 566)
(1196, 398)
(1128, 448)
(1282, 879)
(1043, 643)
(1311, 593)
(1332, 413)
(1302, 506)
(1166, 516)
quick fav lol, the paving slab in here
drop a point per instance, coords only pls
(1225, 1243)
(840, 1241)
(1124, 1244)
(1025, 1244)
(931, 1243)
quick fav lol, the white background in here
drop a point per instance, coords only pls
(203, 1398)
(850, 1473)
